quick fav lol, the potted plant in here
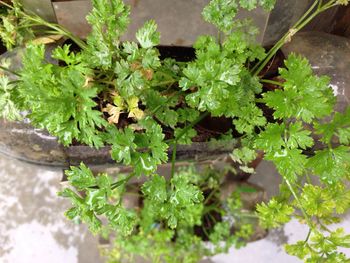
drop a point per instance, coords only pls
(107, 92)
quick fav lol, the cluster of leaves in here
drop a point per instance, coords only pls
(91, 200)
(14, 28)
(221, 13)
(285, 143)
(108, 92)
(170, 210)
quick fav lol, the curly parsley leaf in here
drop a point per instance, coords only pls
(298, 137)
(339, 126)
(144, 150)
(301, 89)
(8, 105)
(155, 189)
(221, 13)
(331, 165)
(147, 35)
(186, 138)
(60, 99)
(274, 213)
(109, 20)
(80, 177)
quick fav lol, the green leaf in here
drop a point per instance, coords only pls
(109, 20)
(80, 177)
(243, 155)
(222, 231)
(299, 137)
(187, 115)
(184, 193)
(290, 163)
(268, 4)
(317, 201)
(299, 249)
(220, 13)
(338, 126)
(248, 4)
(9, 109)
(121, 219)
(59, 99)
(123, 145)
(147, 35)
(271, 139)
(274, 213)
(250, 117)
(187, 137)
(301, 90)
(331, 165)
(155, 189)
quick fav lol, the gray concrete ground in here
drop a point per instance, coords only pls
(33, 228)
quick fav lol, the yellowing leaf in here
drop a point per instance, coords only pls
(47, 39)
(136, 113)
(87, 81)
(118, 100)
(114, 113)
(133, 107)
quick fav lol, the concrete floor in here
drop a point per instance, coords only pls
(34, 230)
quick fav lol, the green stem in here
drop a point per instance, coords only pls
(57, 28)
(308, 236)
(271, 82)
(121, 182)
(304, 20)
(164, 83)
(182, 133)
(173, 160)
(247, 215)
(10, 71)
(190, 126)
(209, 196)
(307, 218)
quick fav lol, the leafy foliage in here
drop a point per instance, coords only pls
(222, 12)
(274, 213)
(301, 89)
(92, 201)
(59, 98)
(9, 108)
(122, 94)
(15, 29)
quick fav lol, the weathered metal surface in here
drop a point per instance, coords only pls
(42, 8)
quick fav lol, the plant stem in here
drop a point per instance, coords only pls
(271, 82)
(190, 126)
(182, 133)
(308, 236)
(9, 70)
(304, 20)
(243, 214)
(121, 182)
(37, 20)
(173, 160)
(307, 218)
